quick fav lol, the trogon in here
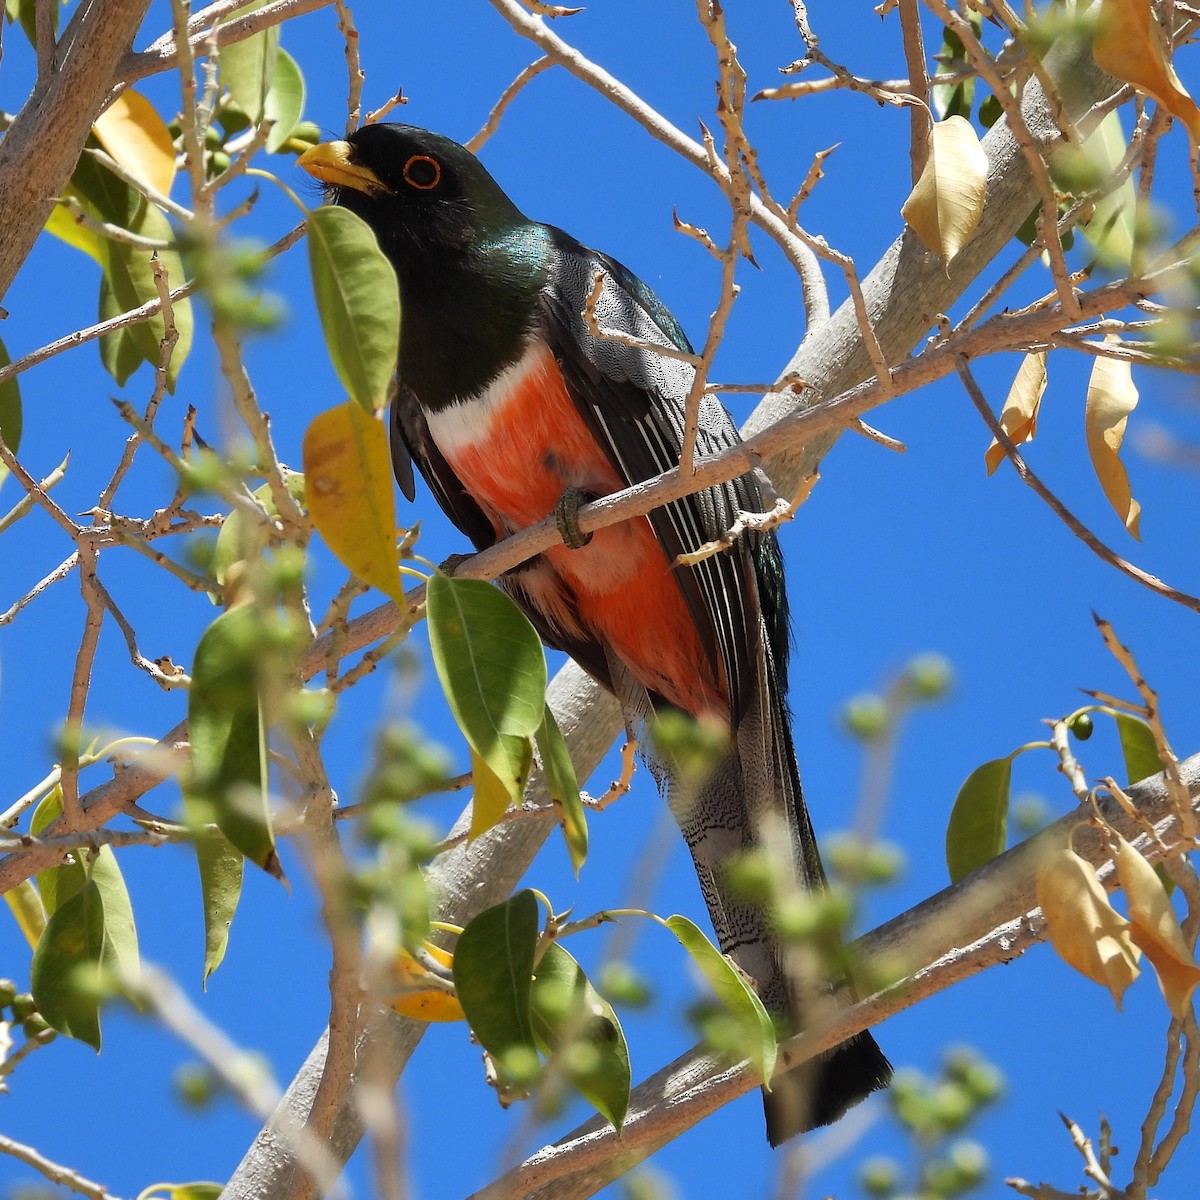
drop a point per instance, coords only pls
(511, 397)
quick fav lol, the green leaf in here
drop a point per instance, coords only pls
(28, 911)
(131, 277)
(578, 1026)
(978, 828)
(57, 884)
(10, 411)
(493, 975)
(220, 889)
(182, 1191)
(127, 268)
(89, 942)
(24, 12)
(492, 668)
(734, 992)
(63, 976)
(248, 67)
(1137, 748)
(358, 301)
(952, 100)
(120, 353)
(285, 100)
(563, 787)
(226, 725)
(242, 537)
(1111, 228)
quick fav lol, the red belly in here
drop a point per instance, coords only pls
(531, 446)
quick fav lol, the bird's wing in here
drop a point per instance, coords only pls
(633, 399)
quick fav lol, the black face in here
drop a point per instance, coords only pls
(434, 194)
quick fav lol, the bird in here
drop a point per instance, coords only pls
(514, 401)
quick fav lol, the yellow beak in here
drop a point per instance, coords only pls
(333, 162)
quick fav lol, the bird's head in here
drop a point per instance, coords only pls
(420, 192)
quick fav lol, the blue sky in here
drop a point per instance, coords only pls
(894, 555)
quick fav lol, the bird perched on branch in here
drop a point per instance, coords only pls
(513, 403)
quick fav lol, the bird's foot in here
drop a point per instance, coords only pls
(566, 517)
(451, 564)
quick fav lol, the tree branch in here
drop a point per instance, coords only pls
(45, 140)
(988, 918)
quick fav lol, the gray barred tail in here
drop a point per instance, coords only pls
(753, 799)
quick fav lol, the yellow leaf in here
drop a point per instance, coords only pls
(1085, 929)
(1156, 929)
(490, 801)
(1111, 397)
(135, 135)
(1129, 45)
(1019, 418)
(62, 224)
(347, 465)
(947, 201)
(27, 910)
(423, 1003)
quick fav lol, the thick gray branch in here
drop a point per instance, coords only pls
(43, 144)
(909, 287)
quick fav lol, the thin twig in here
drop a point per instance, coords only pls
(1076, 526)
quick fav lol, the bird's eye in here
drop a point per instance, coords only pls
(422, 172)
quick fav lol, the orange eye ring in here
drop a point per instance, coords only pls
(417, 172)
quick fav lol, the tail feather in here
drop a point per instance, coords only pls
(749, 800)
(754, 798)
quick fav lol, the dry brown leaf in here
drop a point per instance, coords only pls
(946, 203)
(1129, 44)
(1111, 397)
(1088, 933)
(131, 130)
(1019, 418)
(1155, 929)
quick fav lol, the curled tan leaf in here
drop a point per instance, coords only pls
(1155, 929)
(1129, 45)
(1111, 397)
(946, 203)
(1085, 929)
(1019, 418)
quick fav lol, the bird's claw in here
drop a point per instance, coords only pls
(451, 564)
(566, 517)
